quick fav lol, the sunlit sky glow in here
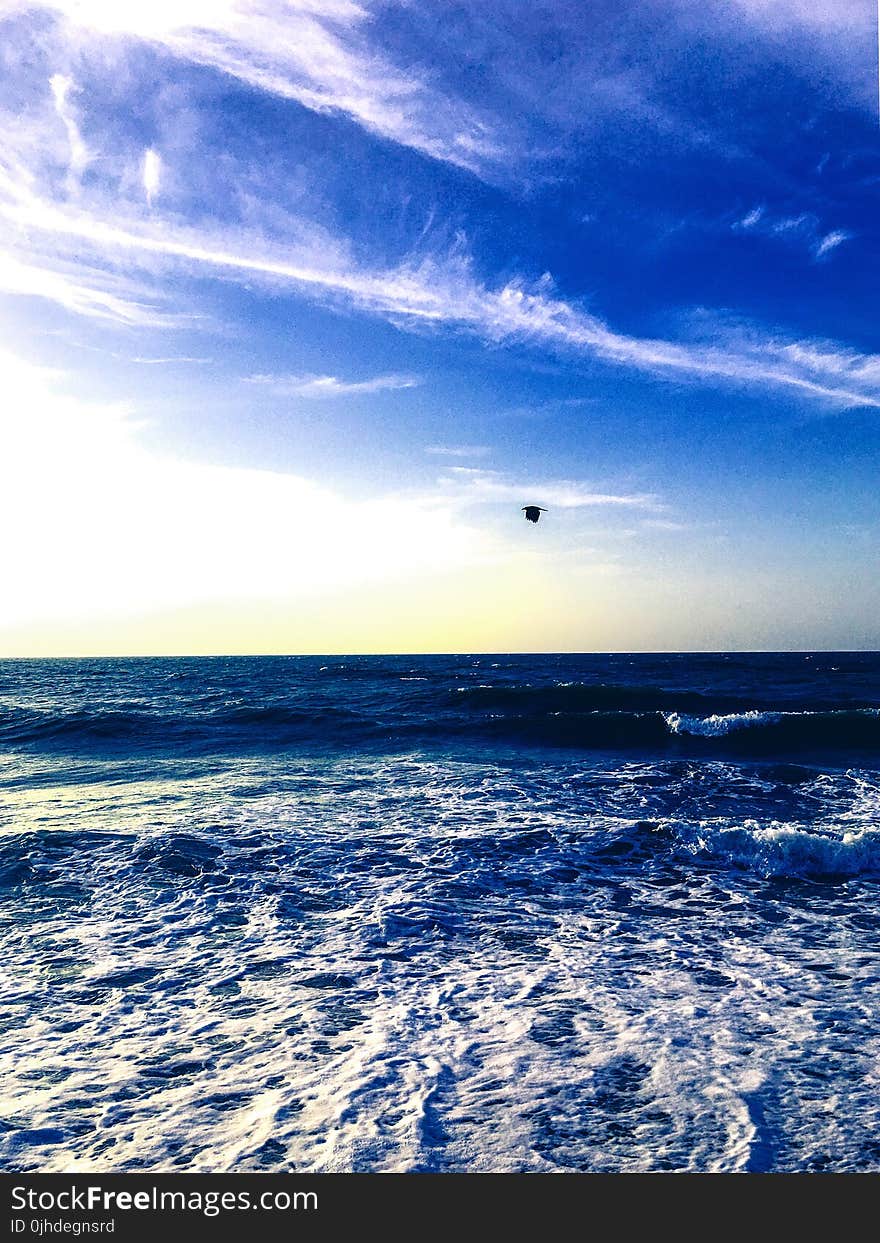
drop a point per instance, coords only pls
(302, 300)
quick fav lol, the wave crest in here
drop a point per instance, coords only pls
(719, 724)
(788, 850)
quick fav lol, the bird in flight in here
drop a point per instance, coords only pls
(533, 512)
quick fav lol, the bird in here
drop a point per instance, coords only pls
(533, 512)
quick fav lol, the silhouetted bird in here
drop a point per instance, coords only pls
(533, 512)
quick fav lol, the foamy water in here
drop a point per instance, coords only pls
(435, 959)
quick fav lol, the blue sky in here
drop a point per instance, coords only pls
(302, 301)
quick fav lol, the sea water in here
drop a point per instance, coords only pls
(443, 913)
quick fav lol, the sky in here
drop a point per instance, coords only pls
(302, 300)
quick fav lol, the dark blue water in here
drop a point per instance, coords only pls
(441, 913)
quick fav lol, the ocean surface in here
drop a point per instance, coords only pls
(447, 913)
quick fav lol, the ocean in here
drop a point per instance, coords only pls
(441, 913)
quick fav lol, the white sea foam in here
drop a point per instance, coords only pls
(717, 725)
(780, 849)
(396, 964)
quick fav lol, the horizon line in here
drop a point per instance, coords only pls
(787, 651)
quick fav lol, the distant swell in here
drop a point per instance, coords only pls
(841, 727)
(555, 716)
(759, 733)
(572, 697)
(33, 725)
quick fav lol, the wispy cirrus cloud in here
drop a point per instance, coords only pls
(61, 87)
(170, 360)
(547, 74)
(841, 23)
(831, 241)
(320, 53)
(332, 57)
(152, 174)
(71, 251)
(318, 387)
(444, 293)
(93, 293)
(474, 486)
(666, 524)
(458, 451)
(803, 230)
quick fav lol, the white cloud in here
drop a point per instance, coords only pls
(331, 56)
(793, 224)
(666, 524)
(750, 219)
(473, 486)
(316, 52)
(81, 292)
(458, 451)
(152, 173)
(831, 241)
(61, 88)
(831, 42)
(852, 17)
(317, 387)
(803, 230)
(444, 293)
(172, 358)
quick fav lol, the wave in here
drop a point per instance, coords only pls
(240, 724)
(827, 852)
(718, 725)
(843, 725)
(617, 697)
(519, 715)
(586, 697)
(786, 850)
(759, 733)
(19, 725)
